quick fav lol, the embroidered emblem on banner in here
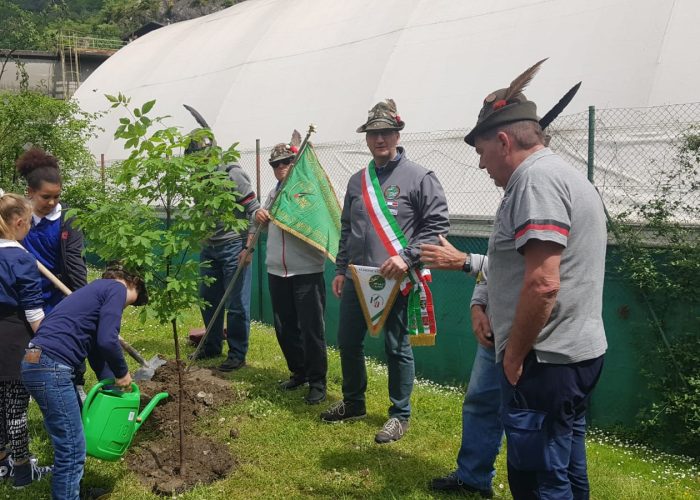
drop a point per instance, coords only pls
(376, 295)
(304, 195)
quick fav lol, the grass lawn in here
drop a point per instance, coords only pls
(284, 451)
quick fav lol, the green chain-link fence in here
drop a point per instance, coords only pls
(633, 149)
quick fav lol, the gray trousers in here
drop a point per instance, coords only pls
(399, 354)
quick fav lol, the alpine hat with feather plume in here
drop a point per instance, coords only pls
(282, 151)
(382, 116)
(506, 105)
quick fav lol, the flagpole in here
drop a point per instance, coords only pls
(246, 252)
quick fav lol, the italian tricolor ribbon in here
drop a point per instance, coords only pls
(421, 315)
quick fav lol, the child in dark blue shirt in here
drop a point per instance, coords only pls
(83, 325)
(20, 315)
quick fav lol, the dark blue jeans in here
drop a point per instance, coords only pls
(544, 417)
(223, 262)
(399, 354)
(51, 385)
(482, 430)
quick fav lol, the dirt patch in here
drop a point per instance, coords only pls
(157, 463)
(155, 457)
(205, 392)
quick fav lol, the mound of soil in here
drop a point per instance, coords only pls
(205, 392)
(155, 455)
(157, 463)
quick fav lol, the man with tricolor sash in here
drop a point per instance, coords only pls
(390, 208)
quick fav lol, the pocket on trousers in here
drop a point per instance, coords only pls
(38, 391)
(527, 439)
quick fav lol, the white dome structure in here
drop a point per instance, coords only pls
(264, 67)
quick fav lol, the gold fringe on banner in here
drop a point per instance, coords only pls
(423, 339)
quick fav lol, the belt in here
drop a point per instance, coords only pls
(32, 354)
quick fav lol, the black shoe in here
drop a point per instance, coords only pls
(393, 430)
(343, 412)
(231, 364)
(27, 472)
(452, 483)
(315, 396)
(292, 383)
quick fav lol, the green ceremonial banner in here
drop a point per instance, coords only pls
(307, 206)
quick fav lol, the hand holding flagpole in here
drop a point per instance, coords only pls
(245, 255)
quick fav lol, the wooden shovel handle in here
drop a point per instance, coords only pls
(53, 279)
(132, 352)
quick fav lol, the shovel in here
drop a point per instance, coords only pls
(148, 368)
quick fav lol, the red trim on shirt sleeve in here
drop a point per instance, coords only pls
(542, 227)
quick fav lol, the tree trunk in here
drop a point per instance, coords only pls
(180, 394)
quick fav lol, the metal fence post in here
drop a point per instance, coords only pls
(259, 259)
(591, 142)
(102, 171)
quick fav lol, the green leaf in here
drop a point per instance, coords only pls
(148, 106)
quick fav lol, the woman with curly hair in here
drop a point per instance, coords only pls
(52, 238)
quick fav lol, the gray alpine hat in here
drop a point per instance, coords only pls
(382, 116)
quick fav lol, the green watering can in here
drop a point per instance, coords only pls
(111, 418)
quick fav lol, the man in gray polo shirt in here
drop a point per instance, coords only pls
(547, 264)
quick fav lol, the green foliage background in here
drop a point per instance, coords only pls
(34, 24)
(60, 127)
(661, 257)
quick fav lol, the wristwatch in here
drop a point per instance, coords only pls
(467, 266)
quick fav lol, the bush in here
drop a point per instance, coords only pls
(658, 242)
(674, 422)
(60, 127)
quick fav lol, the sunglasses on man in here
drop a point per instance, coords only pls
(278, 163)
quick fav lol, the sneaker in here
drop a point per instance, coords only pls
(231, 364)
(27, 472)
(393, 430)
(292, 383)
(5, 468)
(315, 396)
(343, 412)
(454, 484)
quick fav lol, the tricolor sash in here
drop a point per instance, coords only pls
(421, 316)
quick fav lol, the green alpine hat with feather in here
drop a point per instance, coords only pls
(507, 105)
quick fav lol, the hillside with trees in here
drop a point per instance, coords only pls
(35, 24)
